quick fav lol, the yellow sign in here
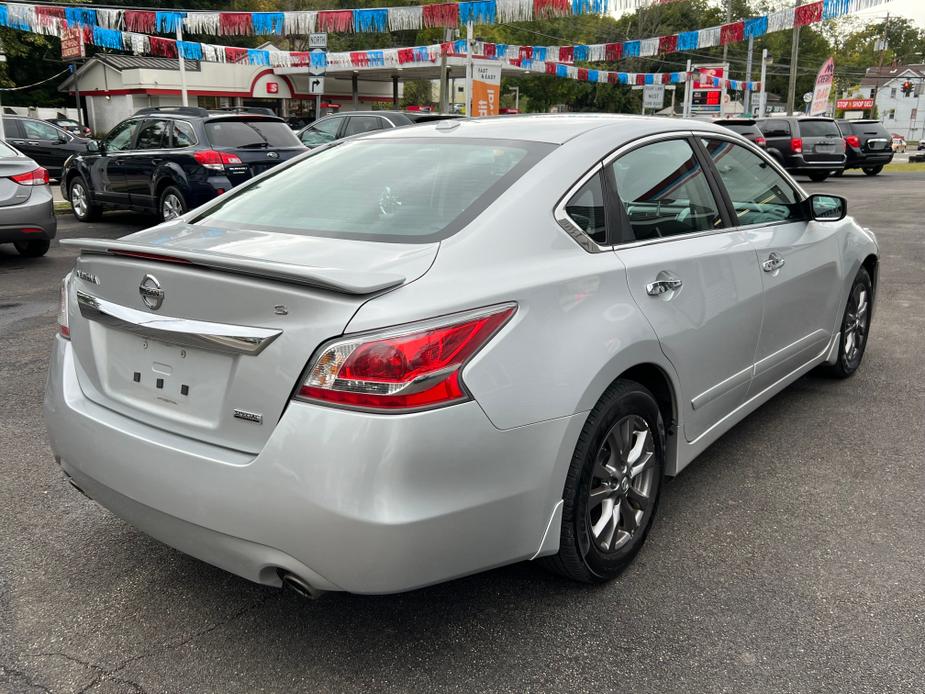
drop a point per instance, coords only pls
(486, 89)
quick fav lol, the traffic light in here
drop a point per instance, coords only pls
(907, 88)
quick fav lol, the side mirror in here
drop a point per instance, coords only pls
(827, 208)
(94, 147)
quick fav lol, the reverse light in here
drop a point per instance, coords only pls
(211, 159)
(64, 328)
(411, 367)
(853, 141)
(36, 177)
(796, 145)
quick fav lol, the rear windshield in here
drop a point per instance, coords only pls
(250, 133)
(818, 128)
(870, 128)
(7, 151)
(742, 129)
(407, 190)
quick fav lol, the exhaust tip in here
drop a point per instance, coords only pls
(300, 586)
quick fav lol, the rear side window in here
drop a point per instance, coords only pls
(363, 124)
(665, 191)
(183, 135)
(11, 128)
(408, 190)
(818, 128)
(774, 128)
(250, 133)
(586, 209)
(6, 151)
(151, 135)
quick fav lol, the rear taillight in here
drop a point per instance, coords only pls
(412, 367)
(216, 161)
(36, 177)
(761, 142)
(853, 141)
(796, 145)
(64, 328)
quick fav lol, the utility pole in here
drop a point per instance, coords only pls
(747, 105)
(183, 95)
(728, 21)
(444, 100)
(469, 69)
(688, 92)
(794, 60)
(763, 94)
(875, 111)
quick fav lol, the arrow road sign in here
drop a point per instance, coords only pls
(315, 85)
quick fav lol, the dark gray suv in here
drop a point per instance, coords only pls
(813, 146)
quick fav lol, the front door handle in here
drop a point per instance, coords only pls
(663, 286)
(774, 262)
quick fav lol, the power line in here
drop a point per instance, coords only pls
(34, 84)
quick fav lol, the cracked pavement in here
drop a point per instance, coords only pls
(788, 558)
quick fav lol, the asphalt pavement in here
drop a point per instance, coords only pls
(787, 558)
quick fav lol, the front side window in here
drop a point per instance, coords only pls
(151, 135)
(665, 191)
(120, 137)
(586, 209)
(322, 132)
(363, 124)
(36, 130)
(408, 190)
(759, 194)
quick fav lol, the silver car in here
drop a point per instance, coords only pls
(426, 352)
(27, 208)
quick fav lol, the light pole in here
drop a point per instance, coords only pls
(794, 59)
(516, 91)
(763, 95)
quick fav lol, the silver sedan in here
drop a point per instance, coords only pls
(426, 352)
(27, 213)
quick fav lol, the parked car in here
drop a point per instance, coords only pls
(867, 145)
(27, 212)
(71, 126)
(898, 143)
(809, 146)
(412, 356)
(337, 126)
(168, 160)
(921, 146)
(47, 144)
(746, 127)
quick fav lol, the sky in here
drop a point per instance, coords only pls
(910, 9)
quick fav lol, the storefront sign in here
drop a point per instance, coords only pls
(653, 96)
(272, 88)
(705, 96)
(72, 44)
(486, 89)
(854, 104)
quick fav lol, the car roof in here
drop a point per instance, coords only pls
(550, 128)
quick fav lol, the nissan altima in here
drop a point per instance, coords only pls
(425, 352)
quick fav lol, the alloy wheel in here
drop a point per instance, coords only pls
(171, 207)
(79, 199)
(621, 484)
(857, 320)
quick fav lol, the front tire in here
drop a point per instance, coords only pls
(33, 248)
(172, 204)
(612, 487)
(81, 204)
(855, 328)
(873, 170)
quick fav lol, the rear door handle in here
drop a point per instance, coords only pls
(659, 287)
(774, 262)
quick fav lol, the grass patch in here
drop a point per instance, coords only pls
(905, 167)
(62, 207)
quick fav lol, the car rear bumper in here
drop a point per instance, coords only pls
(29, 220)
(346, 500)
(862, 160)
(799, 163)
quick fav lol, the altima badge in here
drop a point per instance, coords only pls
(254, 417)
(88, 276)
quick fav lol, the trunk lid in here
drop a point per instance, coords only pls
(822, 141)
(872, 135)
(218, 358)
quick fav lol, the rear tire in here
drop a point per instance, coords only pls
(612, 487)
(839, 173)
(172, 204)
(855, 327)
(873, 170)
(33, 248)
(81, 204)
(818, 177)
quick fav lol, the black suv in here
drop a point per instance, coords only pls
(746, 127)
(46, 144)
(810, 146)
(867, 144)
(168, 160)
(339, 125)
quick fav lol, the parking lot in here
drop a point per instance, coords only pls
(788, 558)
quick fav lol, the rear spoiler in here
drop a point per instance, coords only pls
(334, 279)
